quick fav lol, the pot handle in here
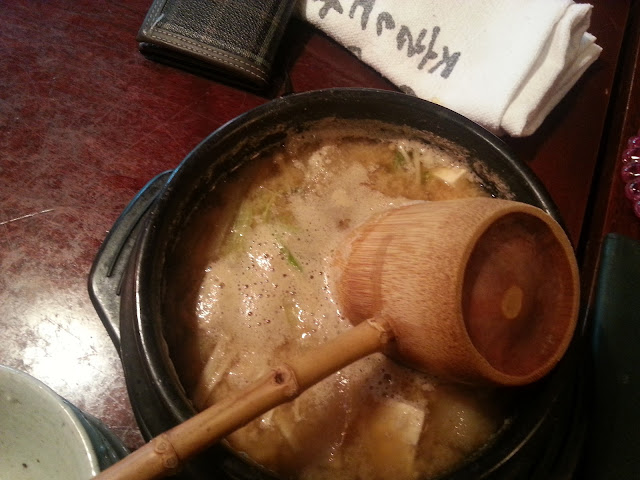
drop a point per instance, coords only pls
(107, 271)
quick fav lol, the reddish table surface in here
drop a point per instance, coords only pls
(86, 121)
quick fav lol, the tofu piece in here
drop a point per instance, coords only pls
(449, 175)
(394, 432)
(400, 420)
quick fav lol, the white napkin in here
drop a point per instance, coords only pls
(503, 63)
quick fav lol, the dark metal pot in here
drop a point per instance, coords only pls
(544, 438)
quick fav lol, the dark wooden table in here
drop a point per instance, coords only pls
(86, 121)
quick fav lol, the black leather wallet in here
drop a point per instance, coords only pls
(231, 40)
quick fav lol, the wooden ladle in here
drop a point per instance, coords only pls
(476, 290)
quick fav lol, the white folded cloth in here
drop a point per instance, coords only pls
(503, 63)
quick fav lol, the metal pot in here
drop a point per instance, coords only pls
(542, 440)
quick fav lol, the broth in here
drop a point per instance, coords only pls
(252, 282)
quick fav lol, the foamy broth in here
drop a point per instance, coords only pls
(253, 282)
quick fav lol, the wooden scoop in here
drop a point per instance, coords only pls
(477, 290)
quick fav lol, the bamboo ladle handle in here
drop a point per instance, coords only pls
(165, 454)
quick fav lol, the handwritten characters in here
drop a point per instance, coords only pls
(434, 59)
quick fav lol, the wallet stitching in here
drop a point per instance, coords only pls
(224, 58)
(153, 13)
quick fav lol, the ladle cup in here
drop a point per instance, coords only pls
(476, 290)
